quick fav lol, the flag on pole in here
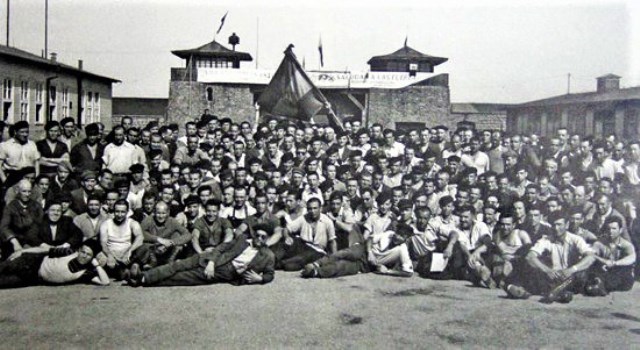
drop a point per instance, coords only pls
(291, 93)
(222, 22)
(320, 51)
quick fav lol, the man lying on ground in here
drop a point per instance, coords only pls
(42, 265)
(240, 261)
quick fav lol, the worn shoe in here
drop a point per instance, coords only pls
(485, 278)
(135, 275)
(517, 292)
(309, 271)
(564, 297)
(596, 288)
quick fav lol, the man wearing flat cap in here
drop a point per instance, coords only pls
(79, 196)
(87, 155)
(17, 153)
(138, 186)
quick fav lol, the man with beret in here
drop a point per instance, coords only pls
(56, 230)
(87, 155)
(17, 153)
(70, 135)
(52, 151)
(79, 196)
(138, 186)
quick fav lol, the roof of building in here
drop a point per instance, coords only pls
(632, 93)
(407, 53)
(17, 54)
(479, 108)
(139, 106)
(212, 49)
(609, 76)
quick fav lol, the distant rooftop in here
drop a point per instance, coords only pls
(212, 49)
(407, 53)
(632, 93)
(17, 54)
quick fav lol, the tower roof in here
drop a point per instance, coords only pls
(407, 53)
(212, 49)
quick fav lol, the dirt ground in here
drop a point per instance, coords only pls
(364, 311)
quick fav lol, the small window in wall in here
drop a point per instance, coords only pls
(96, 107)
(53, 111)
(210, 94)
(631, 124)
(39, 118)
(89, 107)
(65, 103)
(24, 100)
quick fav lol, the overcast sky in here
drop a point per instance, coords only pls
(499, 51)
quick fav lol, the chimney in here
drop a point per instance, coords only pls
(609, 82)
(54, 57)
(80, 64)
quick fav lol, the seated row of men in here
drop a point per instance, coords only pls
(202, 245)
(324, 202)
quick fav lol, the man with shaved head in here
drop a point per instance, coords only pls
(164, 237)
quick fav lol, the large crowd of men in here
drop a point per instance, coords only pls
(214, 201)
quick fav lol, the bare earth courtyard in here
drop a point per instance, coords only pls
(364, 311)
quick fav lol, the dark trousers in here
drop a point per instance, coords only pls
(295, 256)
(617, 278)
(345, 239)
(188, 272)
(21, 272)
(345, 262)
(139, 256)
(536, 282)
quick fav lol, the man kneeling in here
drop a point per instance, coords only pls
(237, 262)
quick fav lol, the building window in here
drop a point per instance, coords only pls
(7, 89)
(7, 99)
(65, 102)
(96, 107)
(210, 94)
(89, 107)
(24, 100)
(39, 90)
(53, 111)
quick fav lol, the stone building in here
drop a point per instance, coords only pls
(608, 110)
(37, 89)
(400, 90)
(479, 116)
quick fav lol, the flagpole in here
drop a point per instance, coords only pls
(257, 40)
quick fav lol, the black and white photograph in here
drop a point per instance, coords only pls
(280, 174)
